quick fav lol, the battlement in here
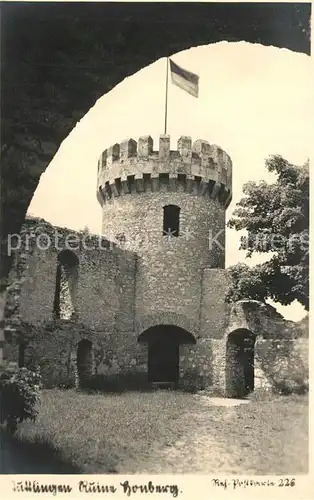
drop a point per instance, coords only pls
(199, 168)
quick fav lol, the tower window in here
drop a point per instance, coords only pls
(171, 220)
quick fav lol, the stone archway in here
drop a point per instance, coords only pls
(84, 361)
(163, 351)
(240, 363)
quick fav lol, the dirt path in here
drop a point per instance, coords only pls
(197, 452)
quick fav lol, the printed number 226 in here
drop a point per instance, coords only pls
(286, 482)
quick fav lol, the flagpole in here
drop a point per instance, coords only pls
(166, 101)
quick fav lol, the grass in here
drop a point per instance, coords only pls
(272, 435)
(169, 432)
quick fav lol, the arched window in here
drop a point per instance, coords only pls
(171, 220)
(66, 284)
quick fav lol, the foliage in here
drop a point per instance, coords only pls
(295, 385)
(276, 218)
(19, 396)
(261, 394)
(192, 381)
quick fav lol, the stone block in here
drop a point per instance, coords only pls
(128, 149)
(185, 148)
(145, 145)
(164, 147)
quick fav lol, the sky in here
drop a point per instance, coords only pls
(254, 101)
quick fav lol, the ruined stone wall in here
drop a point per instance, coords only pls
(104, 306)
(280, 349)
(54, 348)
(282, 364)
(105, 286)
(105, 314)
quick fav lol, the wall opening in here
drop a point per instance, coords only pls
(84, 360)
(240, 363)
(171, 221)
(66, 285)
(163, 351)
(21, 360)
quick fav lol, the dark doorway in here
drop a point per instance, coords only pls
(240, 363)
(84, 362)
(163, 364)
(163, 351)
(21, 361)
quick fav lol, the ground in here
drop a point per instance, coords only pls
(172, 432)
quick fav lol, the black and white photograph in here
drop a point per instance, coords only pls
(154, 319)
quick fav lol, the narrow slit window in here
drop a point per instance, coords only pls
(66, 285)
(21, 355)
(171, 221)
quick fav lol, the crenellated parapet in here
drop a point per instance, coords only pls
(133, 167)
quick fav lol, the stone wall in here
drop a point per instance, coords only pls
(54, 347)
(280, 349)
(214, 309)
(105, 289)
(282, 364)
(117, 299)
(104, 300)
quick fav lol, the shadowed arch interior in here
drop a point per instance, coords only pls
(84, 362)
(240, 363)
(163, 351)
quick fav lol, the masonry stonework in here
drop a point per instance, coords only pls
(144, 297)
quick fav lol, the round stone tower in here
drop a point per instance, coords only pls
(169, 208)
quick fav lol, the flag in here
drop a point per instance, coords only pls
(184, 79)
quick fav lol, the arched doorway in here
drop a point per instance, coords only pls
(163, 351)
(240, 363)
(84, 362)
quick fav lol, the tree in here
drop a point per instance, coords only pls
(276, 218)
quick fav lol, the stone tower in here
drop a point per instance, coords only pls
(167, 207)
